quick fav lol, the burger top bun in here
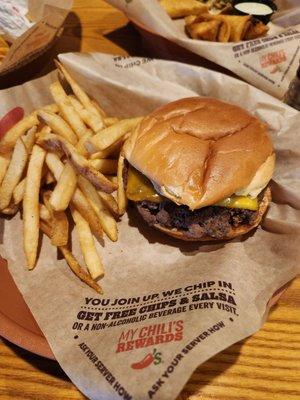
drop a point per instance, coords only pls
(198, 151)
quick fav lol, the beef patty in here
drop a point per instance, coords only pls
(213, 221)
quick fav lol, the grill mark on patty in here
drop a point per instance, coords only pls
(213, 221)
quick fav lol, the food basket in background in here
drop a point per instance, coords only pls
(269, 62)
(28, 53)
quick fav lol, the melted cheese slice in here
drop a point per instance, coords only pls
(243, 202)
(140, 188)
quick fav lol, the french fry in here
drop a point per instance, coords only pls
(108, 121)
(8, 141)
(54, 142)
(4, 163)
(60, 229)
(46, 194)
(13, 173)
(54, 164)
(31, 204)
(110, 203)
(111, 151)
(78, 200)
(45, 129)
(108, 223)
(53, 108)
(108, 136)
(86, 115)
(80, 145)
(58, 125)
(121, 195)
(87, 244)
(29, 139)
(106, 166)
(72, 262)
(81, 203)
(49, 178)
(99, 108)
(67, 110)
(78, 270)
(64, 189)
(77, 106)
(19, 191)
(45, 214)
(59, 223)
(112, 178)
(12, 209)
(98, 122)
(16, 167)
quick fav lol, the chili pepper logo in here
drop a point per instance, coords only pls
(154, 357)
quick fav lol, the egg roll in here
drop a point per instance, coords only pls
(239, 24)
(255, 30)
(206, 30)
(190, 19)
(183, 8)
(224, 32)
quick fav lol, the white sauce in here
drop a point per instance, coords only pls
(254, 8)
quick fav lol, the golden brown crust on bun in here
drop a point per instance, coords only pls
(241, 230)
(198, 151)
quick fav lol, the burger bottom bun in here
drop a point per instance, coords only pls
(234, 232)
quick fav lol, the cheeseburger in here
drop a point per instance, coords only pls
(198, 169)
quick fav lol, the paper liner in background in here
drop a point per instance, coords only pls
(198, 299)
(36, 41)
(269, 63)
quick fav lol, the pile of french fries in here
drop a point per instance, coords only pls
(64, 162)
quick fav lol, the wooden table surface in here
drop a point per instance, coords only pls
(263, 367)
